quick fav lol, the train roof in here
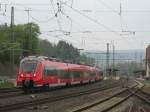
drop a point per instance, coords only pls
(52, 62)
(66, 66)
(35, 58)
(58, 65)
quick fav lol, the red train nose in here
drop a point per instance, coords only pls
(28, 75)
(28, 83)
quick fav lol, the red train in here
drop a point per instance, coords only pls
(41, 71)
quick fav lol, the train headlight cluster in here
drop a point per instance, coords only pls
(34, 74)
(21, 75)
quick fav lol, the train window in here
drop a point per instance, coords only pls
(63, 74)
(86, 74)
(49, 71)
(76, 74)
(52, 72)
(93, 73)
(60, 73)
(29, 66)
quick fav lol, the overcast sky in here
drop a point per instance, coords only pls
(91, 23)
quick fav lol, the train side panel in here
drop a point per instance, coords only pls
(49, 73)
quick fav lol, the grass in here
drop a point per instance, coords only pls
(148, 82)
(6, 84)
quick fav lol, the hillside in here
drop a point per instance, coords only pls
(121, 56)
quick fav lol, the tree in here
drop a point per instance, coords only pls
(64, 51)
(67, 51)
(87, 60)
(28, 39)
(22, 44)
(47, 48)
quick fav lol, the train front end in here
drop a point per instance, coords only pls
(28, 75)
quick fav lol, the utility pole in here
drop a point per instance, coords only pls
(113, 71)
(30, 32)
(120, 12)
(28, 11)
(107, 60)
(141, 61)
(148, 62)
(12, 37)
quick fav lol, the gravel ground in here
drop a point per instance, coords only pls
(30, 97)
(69, 104)
(147, 86)
(147, 89)
(133, 104)
(125, 106)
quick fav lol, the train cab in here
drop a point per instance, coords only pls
(29, 72)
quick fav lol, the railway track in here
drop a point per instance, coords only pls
(35, 101)
(13, 92)
(6, 90)
(138, 108)
(104, 105)
(132, 108)
(115, 100)
(143, 96)
(10, 92)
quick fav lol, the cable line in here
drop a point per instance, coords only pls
(56, 15)
(93, 20)
(42, 21)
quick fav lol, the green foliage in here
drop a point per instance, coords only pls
(67, 51)
(47, 48)
(6, 84)
(27, 35)
(64, 51)
(22, 39)
(87, 60)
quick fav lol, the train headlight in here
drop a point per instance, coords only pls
(21, 75)
(34, 74)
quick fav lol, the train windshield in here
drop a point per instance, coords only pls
(28, 66)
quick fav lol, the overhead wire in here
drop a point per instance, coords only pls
(98, 21)
(93, 20)
(42, 21)
(59, 37)
(56, 15)
(72, 3)
(121, 21)
(118, 13)
(70, 19)
(107, 6)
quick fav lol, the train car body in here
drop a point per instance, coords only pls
(41, 71)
